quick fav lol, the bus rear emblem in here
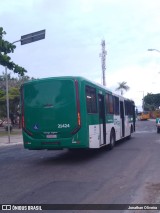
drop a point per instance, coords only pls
(36, 127)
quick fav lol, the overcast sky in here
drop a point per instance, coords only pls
(74, 30)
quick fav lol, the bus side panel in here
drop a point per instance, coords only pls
(127, 126)
(109, 125)
(94, 136)
(93, 129)
(108, 132)
(117, 127)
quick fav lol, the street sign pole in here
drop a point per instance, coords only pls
(7, 102)
(25, 39)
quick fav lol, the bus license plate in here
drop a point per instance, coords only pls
(51, 136)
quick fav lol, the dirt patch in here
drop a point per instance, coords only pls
(152, 193)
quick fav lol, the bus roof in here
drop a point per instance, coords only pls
(79, 78)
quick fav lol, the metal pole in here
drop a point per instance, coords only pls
(7, 102)
(143, 102)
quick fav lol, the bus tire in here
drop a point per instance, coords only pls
(112, 139)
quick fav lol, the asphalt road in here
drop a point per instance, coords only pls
(128, 174)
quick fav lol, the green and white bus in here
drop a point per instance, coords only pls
(73, 112)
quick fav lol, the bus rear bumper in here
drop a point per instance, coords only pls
(51, 144)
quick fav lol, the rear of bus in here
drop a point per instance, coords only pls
(143, 116)
(51, 113)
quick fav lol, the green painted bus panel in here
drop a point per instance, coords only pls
(50, 111)
(92, 119)
(109, 118)
(73, 142)
(50, 108)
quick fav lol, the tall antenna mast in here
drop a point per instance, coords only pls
(103, 60)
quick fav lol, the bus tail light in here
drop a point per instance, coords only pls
(22, 116)
(78, 109)
(79, 119)
(22, 107)
(78, 104)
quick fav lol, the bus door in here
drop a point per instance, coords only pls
(122, 119)
(102, 120)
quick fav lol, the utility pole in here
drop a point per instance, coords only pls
(103, 60)
(143, 102)
(7, 103)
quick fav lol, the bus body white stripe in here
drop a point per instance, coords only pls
(94, 136)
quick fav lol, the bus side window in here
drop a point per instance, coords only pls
(91, 99)
(116, 105)
(128, 108)
(109, 104)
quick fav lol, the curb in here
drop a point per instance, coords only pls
(14, 139)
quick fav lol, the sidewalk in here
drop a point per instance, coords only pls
(14, 138)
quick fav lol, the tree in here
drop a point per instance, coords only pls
(122, 86)
(6, 48)
(151, 102)
(14, 85)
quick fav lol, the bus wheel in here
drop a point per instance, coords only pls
(112, 140)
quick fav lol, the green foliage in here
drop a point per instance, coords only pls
(2, 95)
(14, 93)
(6, 48)
(151, 102)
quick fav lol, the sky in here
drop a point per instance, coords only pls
(74, 32)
